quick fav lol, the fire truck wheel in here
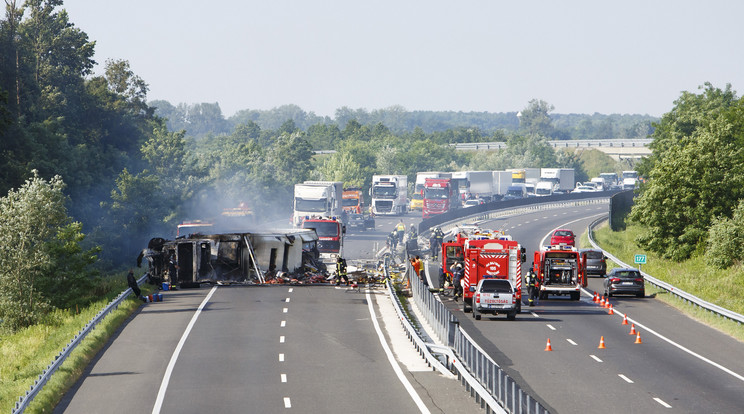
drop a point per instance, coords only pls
(476, 316)
(464, 306)
(519, 307)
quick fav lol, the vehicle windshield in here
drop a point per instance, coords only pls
(515, 192)
(496, 286)
(627, 274)
(562, 233)
(594, 255)
(350, 202)
(323, 228)
(383, 191)
(542, 191)
(417, 196)
(436, 194)
(630, 174)
(302, 204)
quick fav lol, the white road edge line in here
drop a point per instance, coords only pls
(660, 401)
(594, 357)
(628, 380)
(391, 358)
(176, 352)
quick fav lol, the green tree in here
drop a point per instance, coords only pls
(535, 118)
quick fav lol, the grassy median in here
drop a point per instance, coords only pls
(694, 276)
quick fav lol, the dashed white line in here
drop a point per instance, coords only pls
(281, 339)
(660, 401)
(594, 357)
(286, 300)
(534, 314)
(287, 403)
(628, 380)
(281, 357)
(283, 324)
(284, 377)
(290, 290)
(570, 341)
(551, 327)
(285, 310)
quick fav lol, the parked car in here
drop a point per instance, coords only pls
(596, 262)
(563, 236)
(361, 221)
(494, 296)
(622, 280)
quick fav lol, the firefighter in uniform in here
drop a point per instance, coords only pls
(532, 287)
(401, 230)
(341, 271)
(437, 236)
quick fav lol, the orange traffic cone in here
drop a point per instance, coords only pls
(602, 302)
(607, 303)
(632, 330)
(638, 338)
(548, 347)
(596, 298)
(601, 343)
(611, 312)
(625, 320)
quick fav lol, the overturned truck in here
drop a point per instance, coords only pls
(233, 258)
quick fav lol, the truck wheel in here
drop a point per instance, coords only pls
(511, 315)
(476, 315)
(519, 307)
(464, 306)
(575, 296)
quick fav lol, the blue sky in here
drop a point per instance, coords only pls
(494, 56)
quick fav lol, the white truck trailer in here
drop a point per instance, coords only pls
(501, 182)
(389, 194)
(562, 178)
(317, 199)
(478, 184)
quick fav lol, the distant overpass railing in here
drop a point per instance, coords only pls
(566, 143)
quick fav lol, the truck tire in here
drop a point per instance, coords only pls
(476, 315)
(519, 307)
(575, 295)
(511, 315)
(464, 306)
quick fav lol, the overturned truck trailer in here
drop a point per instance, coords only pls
(231, 257)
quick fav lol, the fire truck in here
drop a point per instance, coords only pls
(439, 197)
(560, 271)
(485, 255)
(330, 236)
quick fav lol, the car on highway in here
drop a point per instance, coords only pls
(596, 262)
(584, 188)
(361, 221)
(473, 202)
(494, 296)
(624, 280)
(563, 236)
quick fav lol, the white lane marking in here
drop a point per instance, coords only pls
(594, 357)
(283, 324)
(281, 357)
(174, 357)
(682, 348)
(534, 314)
(284, 310)
(570, 341)
(393, 362)
(284, 377)
(660, 401)
(281, 339)
(287, 403)
(290, 290)
(286, 300)
(551, 327)
(628, 380)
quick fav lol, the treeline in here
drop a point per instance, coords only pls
(199, 120)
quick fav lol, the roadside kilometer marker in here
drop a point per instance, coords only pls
(628, 380)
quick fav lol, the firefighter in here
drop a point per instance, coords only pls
(437, 236)
(457, 279)
(413, 234)
(401, 230)
(341, 271)
(532, 287)
(392, 240)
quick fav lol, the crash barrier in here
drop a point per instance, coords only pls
(491, 384)
(686, 297)
(25, 400)
(491, 210)
(571, 143)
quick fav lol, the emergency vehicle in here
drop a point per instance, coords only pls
(485, 255)
(560, 271)
(330, 235)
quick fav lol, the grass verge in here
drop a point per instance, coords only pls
(26, 353)
(723, 288)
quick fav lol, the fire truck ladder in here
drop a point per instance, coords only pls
(253, 259)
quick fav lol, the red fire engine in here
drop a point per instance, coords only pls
(330, 235)
(560, 271)
(485, 255)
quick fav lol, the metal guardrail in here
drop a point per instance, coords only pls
(569, 143)
(686, 297)
(25, 400)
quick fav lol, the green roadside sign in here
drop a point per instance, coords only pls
(640, 259)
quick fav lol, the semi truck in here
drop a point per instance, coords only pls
(475, 184)
(501, 182)
(389, 194)
(630, 180)
(439, 197)
(560, 271)
(417, 201)
(317, 199)
(562, 178)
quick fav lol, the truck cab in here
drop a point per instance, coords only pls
(494, 296)
(330, 233)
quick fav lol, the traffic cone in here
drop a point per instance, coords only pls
(625, 320)
(601, 343)
(632, 330)
(638, 338)
(548, 347)
(596, 298)
(611, 312)
(602, 302)
(607, 303)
